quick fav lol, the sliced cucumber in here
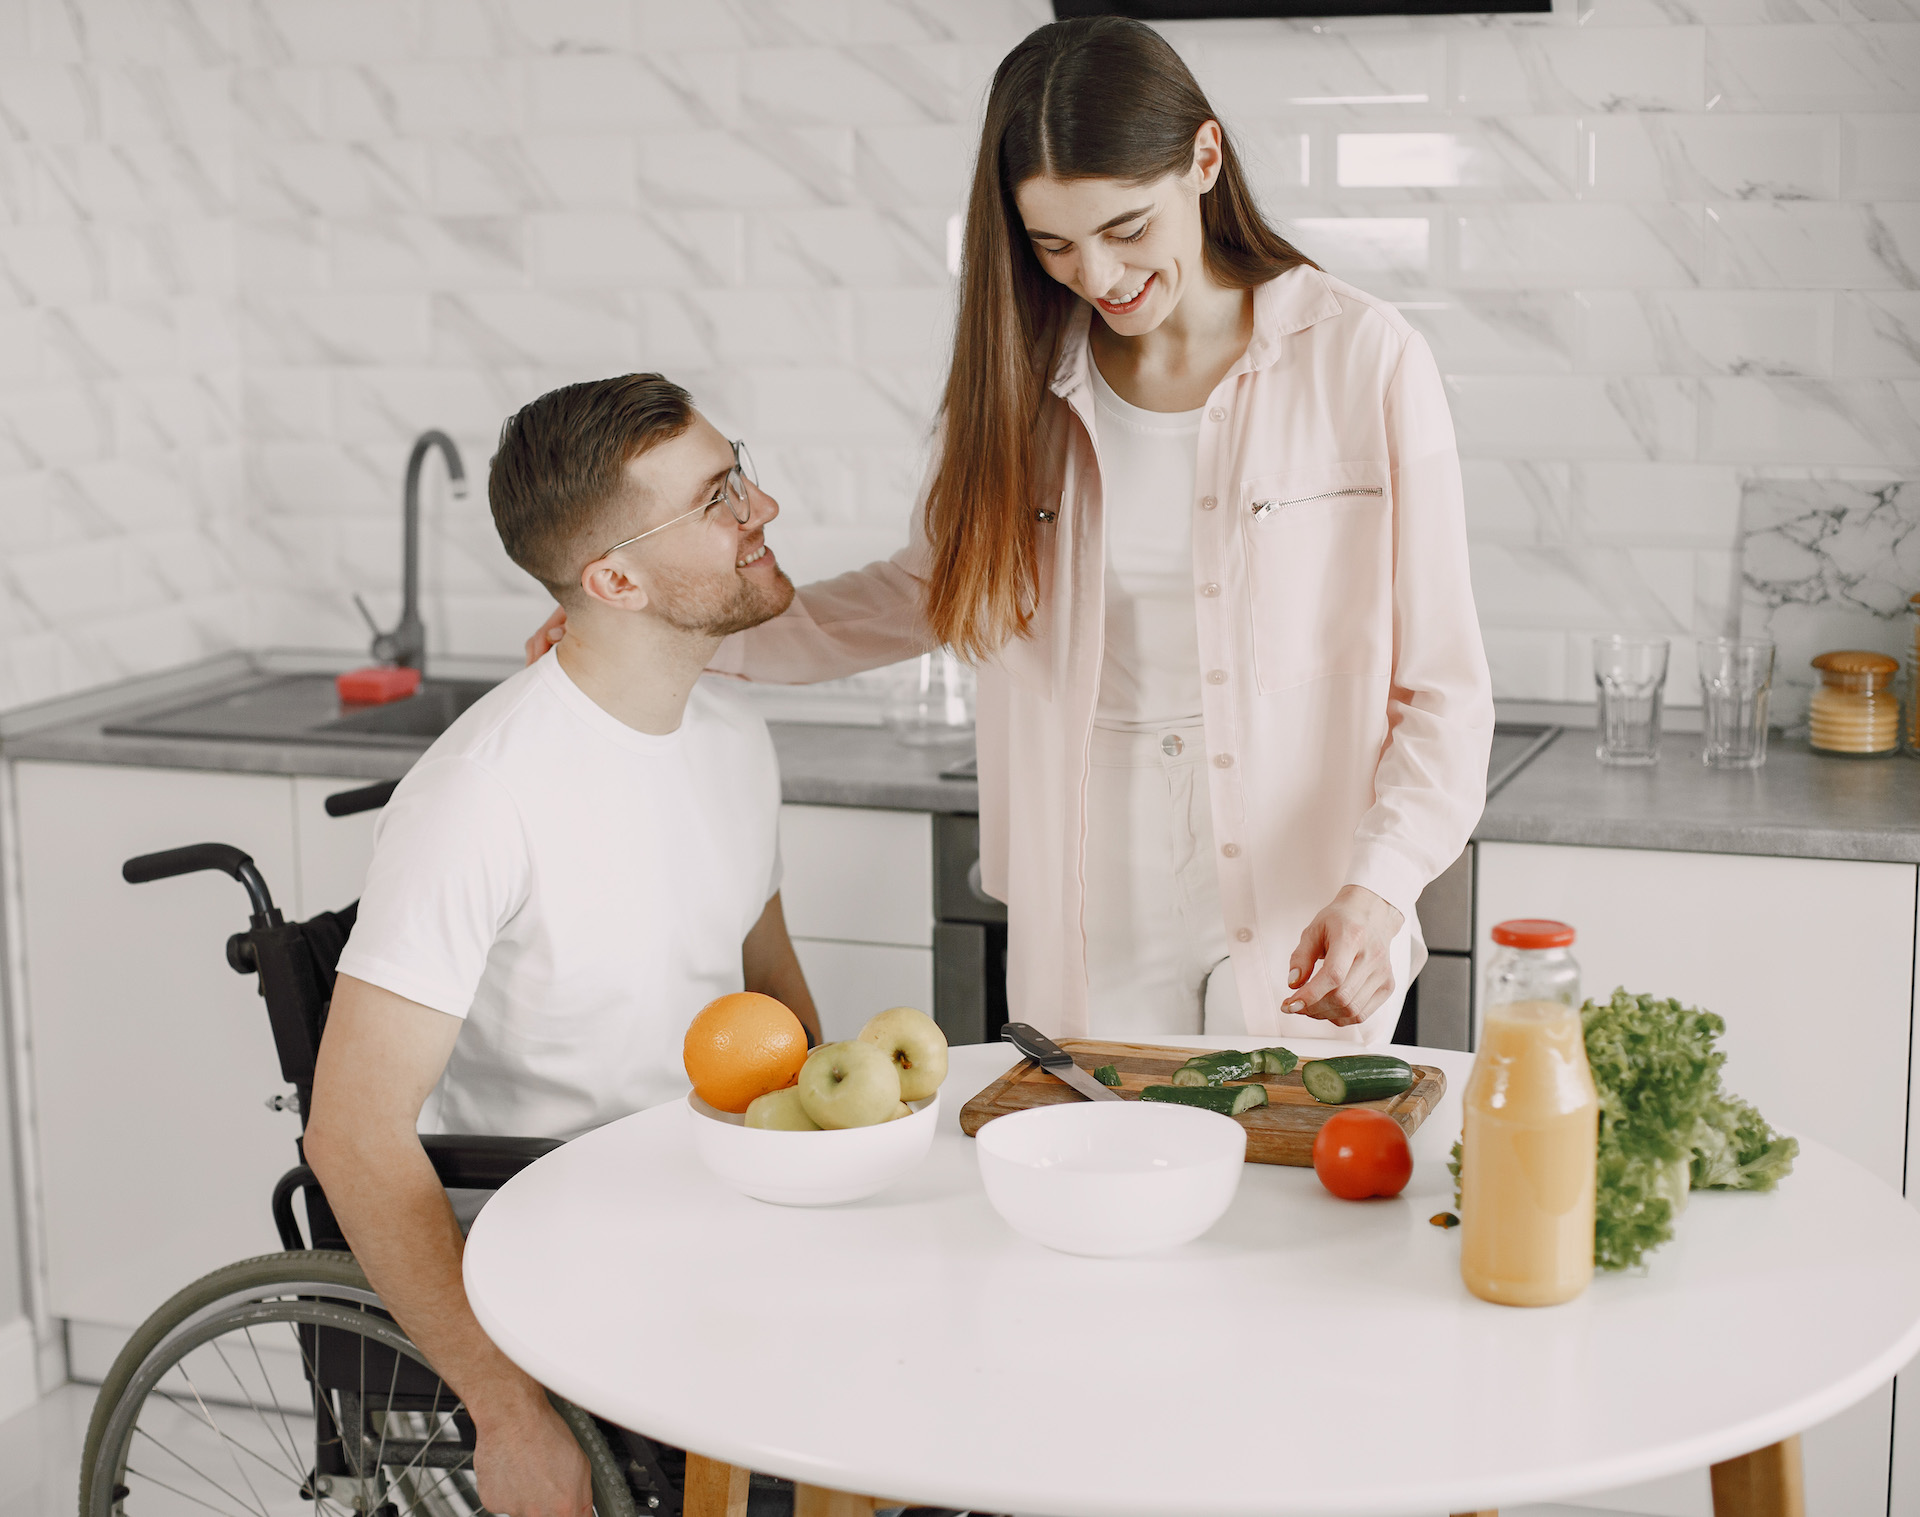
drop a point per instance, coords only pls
(1356, 1077)
(1276, 1061)
(1106, 1074)
(1217, 1068)
(1228, 1100)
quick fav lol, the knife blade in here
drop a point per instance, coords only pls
(1055, 1060)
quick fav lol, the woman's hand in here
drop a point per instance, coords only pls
(551, 631)
(1349, 940)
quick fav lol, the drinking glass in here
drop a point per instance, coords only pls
(931, 701)
(1736, 675)
(1630, 674)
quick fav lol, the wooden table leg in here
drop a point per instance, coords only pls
(714, 1489)
(1765, 1483)
(818, 1501)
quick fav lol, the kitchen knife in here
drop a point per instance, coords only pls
(1055, 1060)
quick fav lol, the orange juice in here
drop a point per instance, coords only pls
(1527, 1165)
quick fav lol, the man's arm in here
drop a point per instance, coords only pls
(378, 1061)
(771, 967)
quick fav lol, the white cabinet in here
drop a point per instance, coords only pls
(1795, 954)
(152, 1059)
(333, 851)
(851, 981)
(857, 890)
(1791, 952)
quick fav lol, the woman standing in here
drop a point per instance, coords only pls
(1209, 554)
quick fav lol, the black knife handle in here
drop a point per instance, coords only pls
(1036, 1045)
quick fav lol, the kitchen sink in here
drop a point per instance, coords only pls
(427, 713)
(306, 708)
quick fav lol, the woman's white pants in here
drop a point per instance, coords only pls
(1157, 952)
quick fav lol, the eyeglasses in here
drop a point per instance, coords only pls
(732, 494)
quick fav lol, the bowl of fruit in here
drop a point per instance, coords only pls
(1111, 1178)
(841, 1122)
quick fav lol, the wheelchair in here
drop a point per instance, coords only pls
(279, 1385)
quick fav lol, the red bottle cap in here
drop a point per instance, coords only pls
(1532, 932)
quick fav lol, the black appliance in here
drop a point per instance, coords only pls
(969, 937)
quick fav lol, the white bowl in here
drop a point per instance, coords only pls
(1111, 1178)
(812, 1168)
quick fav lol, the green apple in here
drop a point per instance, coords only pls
(917, 1046)
(849, 1085)
(781, 1111)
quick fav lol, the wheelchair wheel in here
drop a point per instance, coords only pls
(279, 1387)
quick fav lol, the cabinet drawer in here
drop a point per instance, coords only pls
(852, 981)
(857, 875)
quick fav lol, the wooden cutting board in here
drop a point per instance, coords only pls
(1281, 1132)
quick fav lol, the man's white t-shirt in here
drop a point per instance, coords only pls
(1150, 671)
(576, 890)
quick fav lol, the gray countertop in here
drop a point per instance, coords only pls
(1800, 804)
(819, 765)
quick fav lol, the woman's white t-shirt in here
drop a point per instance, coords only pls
(1150, 669)
(574, 889)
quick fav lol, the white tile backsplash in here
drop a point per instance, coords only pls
(1666, 251)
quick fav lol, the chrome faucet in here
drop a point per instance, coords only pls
(406, 644)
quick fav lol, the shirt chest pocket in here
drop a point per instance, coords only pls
(1319, 545)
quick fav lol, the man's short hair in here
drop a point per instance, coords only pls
(561, 463)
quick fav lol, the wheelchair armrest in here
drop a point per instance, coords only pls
(474, 1161)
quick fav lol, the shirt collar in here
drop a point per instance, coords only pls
(1290, 303)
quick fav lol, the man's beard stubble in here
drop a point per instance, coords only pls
(700, 607)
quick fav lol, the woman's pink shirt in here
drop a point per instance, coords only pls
(1344, 686)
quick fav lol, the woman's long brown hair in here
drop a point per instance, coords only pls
(1095, 98)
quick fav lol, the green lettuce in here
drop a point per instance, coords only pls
(1666, 1125)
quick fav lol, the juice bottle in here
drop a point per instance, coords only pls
(1532, 1127)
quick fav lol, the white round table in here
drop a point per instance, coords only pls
(1308, 1355)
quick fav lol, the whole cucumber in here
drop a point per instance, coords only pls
(1228, 1100)
(1356, 1077)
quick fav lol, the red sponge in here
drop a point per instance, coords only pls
(376, 686)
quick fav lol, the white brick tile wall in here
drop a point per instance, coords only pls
(1667, 252)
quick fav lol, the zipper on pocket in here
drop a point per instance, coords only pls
(1263, 507)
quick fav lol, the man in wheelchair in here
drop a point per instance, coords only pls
(582, 861)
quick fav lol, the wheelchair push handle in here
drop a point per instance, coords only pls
(198, 856)
(366, 798)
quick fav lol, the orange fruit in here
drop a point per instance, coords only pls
(742, 1046)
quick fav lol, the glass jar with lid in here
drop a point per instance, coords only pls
(1855, 709)
(1529, 1152)
(1532, 961)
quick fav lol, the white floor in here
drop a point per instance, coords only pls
(40, 1455)
(40, 1460)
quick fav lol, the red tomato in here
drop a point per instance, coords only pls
(1362, 1153)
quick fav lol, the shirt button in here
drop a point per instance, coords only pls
(1223, 761)
(1209, 589)
(1171, 745)
(1231, 850)
(1216, 676)
(1216, 414)
(1245, 934)
(1207, 503)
